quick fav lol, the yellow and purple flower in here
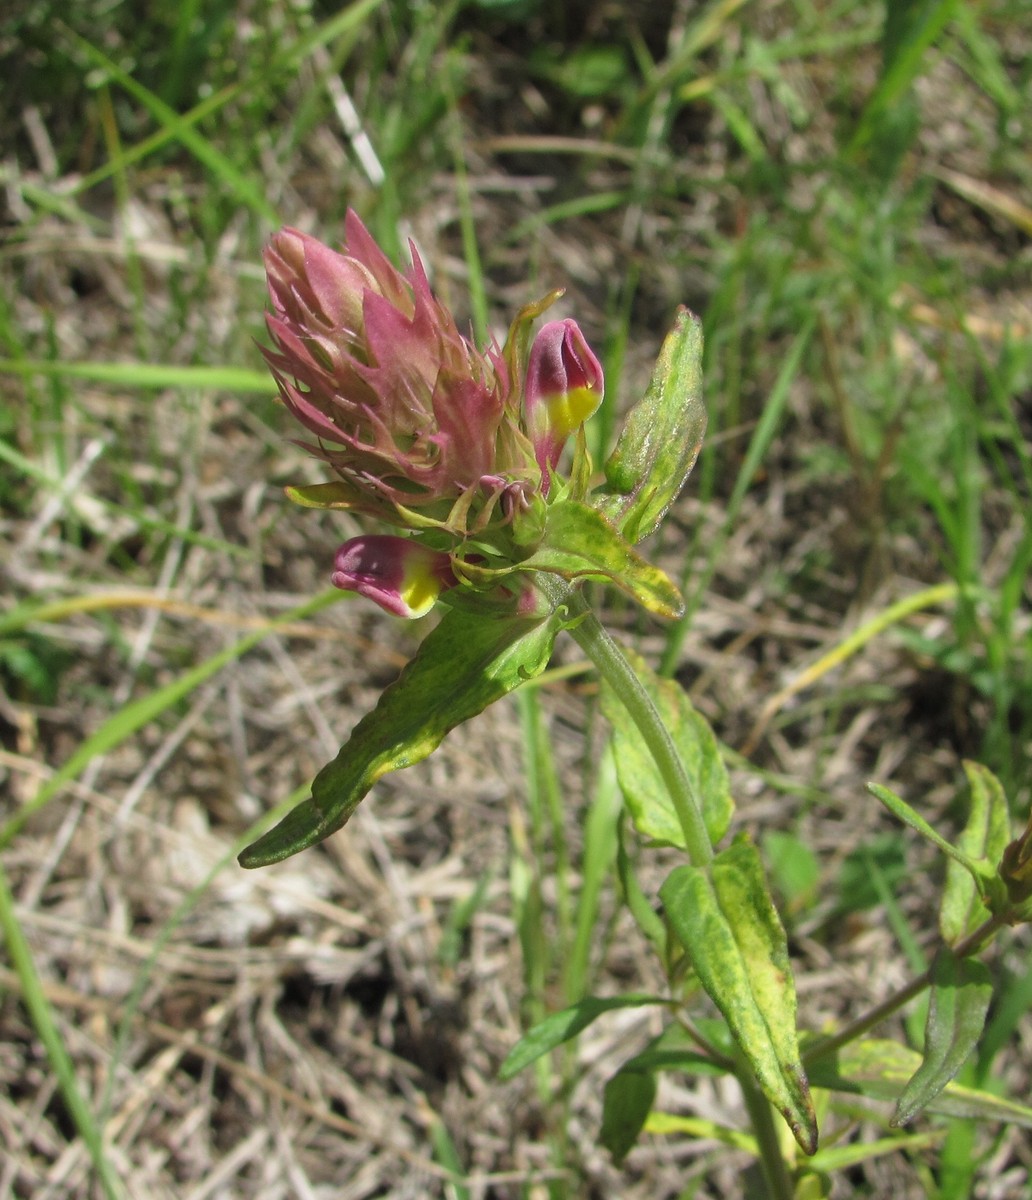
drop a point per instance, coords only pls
(424, 431)
(564, 387)
(404, 577)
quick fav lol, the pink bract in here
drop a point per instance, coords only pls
(404, 407)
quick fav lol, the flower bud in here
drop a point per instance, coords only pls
(564, 387)
(404, 577)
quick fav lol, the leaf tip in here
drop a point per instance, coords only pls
(801, 1118)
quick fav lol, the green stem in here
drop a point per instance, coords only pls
(596, 643)
(761, 1116)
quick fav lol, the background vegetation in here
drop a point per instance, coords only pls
(842, 191)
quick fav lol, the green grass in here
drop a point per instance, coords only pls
(794, 171)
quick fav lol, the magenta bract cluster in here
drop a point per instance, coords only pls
(423, 431)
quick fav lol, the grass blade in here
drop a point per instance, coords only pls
(42, 1018)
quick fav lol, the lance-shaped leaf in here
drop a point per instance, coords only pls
(560, 1027)
(579, 543)
(647, 796)
(959, 1001)
(880, 1069)
(983, 840)
(661, 437)
(725, 919)
(984, 873)
(465, 664)
(698, 1129)
(675, 1049)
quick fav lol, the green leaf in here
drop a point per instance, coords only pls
(460, 917)
(78, 1108)
(579, 543)
(911, 27)
(876, 864)
(562, 1026)
(465, 664)
(724, 917)
(588, 71)
(139, 375)
(880, 1069)
(959, 1000)
(661, 437)
(648, 798)
(626, 1102)
(982, 871)
(447, 1154)
(983, 839)
(841, 1158)
(794, 868)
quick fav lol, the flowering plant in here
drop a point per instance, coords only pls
(461, 453)
(456, 448)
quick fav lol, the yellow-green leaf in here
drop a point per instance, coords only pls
(579, 543)
(626, 1102)
(724, 917)
(982, 871)
(465, 664)
(983, 840)
(880, 1069)
(560, 1027)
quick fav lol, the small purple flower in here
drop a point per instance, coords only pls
(564, 387)
(404, 577)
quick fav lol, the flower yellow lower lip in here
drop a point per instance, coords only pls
(571, 409)
(419, 593)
